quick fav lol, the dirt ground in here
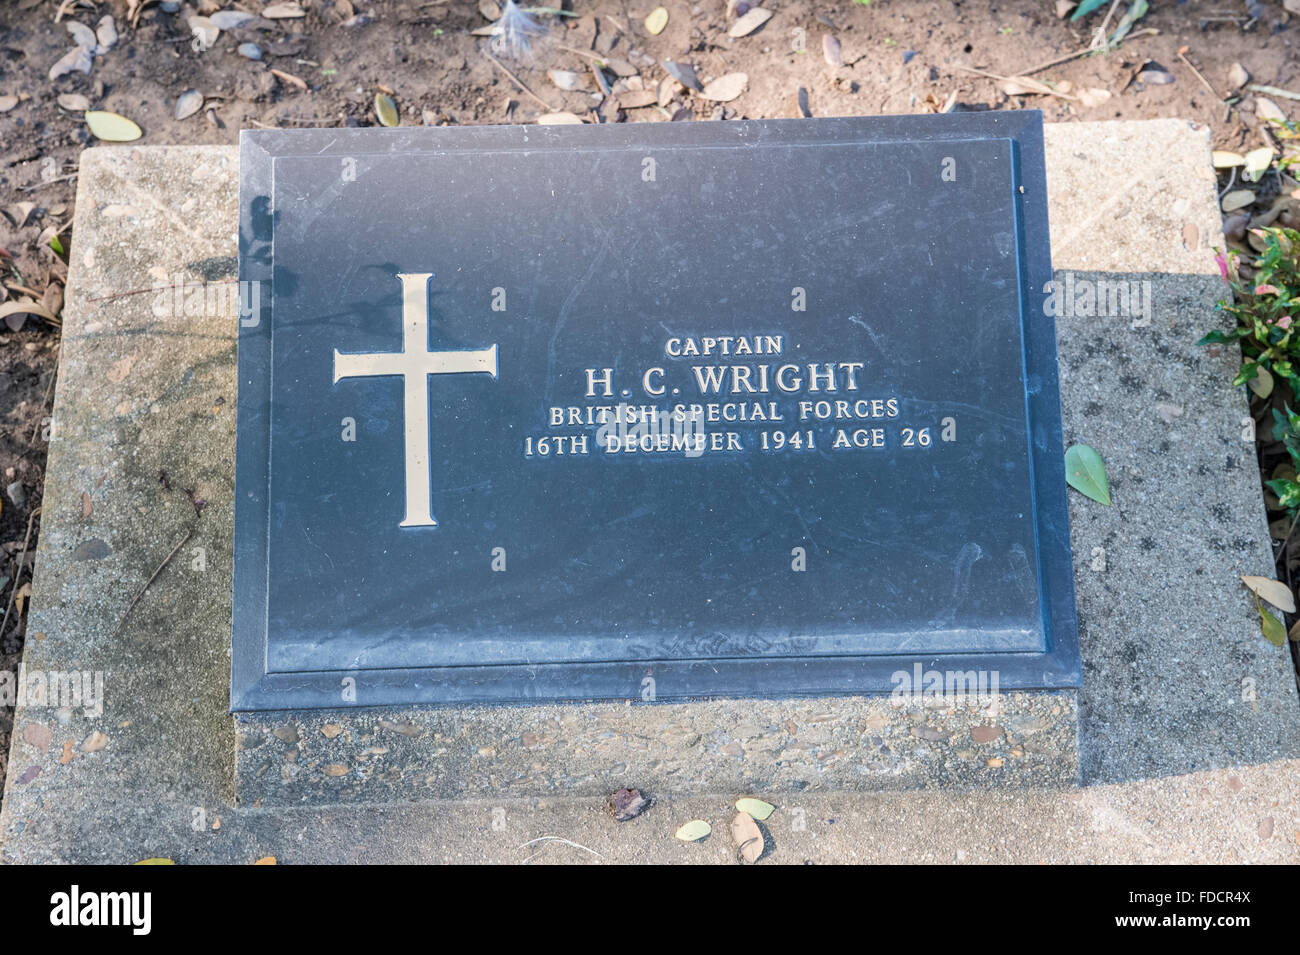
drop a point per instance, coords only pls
(325, 67)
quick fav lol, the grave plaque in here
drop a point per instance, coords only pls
(760, 408)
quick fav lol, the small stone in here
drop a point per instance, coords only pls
(286, 733)
(250, 51)
(330, 730)
(1168, 412)
(30, 773)
(93, 549)
(995, 763)
(94, 742)
(69, 752)
(17, 494)
(37, 736)
(1235, 784)
(1237, 76)
(405, 729)
(334, 769)
(985, 734)
(929, 732)
(1265, 828)
(254, 83)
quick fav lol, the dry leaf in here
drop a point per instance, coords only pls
(1266, 109)
(750, 22)
(1274, 591)
(656, 20)
(832, 52)
(188, 103)
(694, 830)
(634, 99)
(1023, 85)
(283, 11)
(559, 118)
(1237, 199)
(111, 127)
(78, 58)
(747, 838)
(565, 79)
(1093, 96)
(755, 807)
(726, 88)
(1225, 159)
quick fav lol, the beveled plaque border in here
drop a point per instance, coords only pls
(254, 688)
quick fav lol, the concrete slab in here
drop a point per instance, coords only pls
(1190, 723)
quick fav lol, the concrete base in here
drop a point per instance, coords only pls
(1188, 720)
(771, 746)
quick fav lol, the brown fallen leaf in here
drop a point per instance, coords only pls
(747, 838)
(265, 860)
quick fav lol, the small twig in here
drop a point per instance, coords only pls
(558, 839)
(188, 534)
(587, 53)
(48, 182)
(44, 401)
(22, 559)
(1099, 38)
(1232, 178)
(1204, 81)
(290, 78)
(1046, 91)
(159, 288)
(1084, 52)
(518, 82)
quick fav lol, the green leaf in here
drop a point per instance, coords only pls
(694, 830)
(1085, 471)
(386, 110)
(755, 807)
(1262, 383)
(1273, 629)
(111, 127)
(155, 861)
(1135, 13)
(1085, 8)
(56, 245)
(1215, 337)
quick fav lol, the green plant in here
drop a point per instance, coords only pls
(1286, 428)
(1267, 311)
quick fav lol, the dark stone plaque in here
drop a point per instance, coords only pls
(646, 411)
